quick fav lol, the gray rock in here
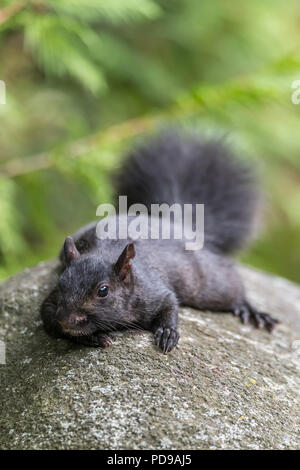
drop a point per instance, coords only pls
(226, 386)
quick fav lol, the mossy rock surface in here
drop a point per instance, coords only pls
(227, 386)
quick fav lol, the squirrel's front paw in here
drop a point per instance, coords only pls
(166, 338)
(260, 319)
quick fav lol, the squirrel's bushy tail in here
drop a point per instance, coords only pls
(176, 168)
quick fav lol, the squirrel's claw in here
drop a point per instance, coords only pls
(260, 319)
(97, 340)
(166, 338)
(104, 341)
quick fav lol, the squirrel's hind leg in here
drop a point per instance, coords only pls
(247, 313)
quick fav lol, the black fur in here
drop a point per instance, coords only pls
(185, 169)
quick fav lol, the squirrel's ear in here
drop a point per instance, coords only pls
(70, 250)
(122, 266)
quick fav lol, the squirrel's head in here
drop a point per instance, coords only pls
(94, 292)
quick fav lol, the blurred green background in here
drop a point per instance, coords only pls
(86, 78)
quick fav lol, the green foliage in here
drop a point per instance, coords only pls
(75, 70)
(65, 39)
(10, 240)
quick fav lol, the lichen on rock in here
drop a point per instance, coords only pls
(227, 386)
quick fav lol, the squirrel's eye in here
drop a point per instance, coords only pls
(102, 291)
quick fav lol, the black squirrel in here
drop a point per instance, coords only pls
(107, 285)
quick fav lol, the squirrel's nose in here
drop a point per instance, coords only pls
(73, 319)
(79, 319)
